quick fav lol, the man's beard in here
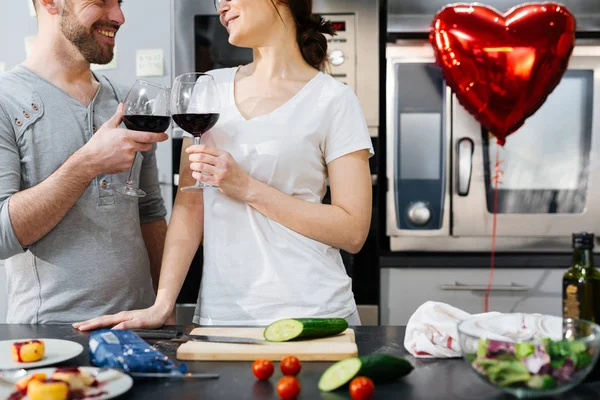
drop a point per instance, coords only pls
(84, 39)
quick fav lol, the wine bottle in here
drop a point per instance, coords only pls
(581, 283)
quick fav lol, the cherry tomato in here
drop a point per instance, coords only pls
(263, 369)
(290, 366)
(288, 388)
(361, 388)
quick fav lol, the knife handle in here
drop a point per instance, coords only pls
(160, 335)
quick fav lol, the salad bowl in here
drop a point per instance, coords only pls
(530, 355)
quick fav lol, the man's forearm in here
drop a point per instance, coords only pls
(154, 234)
(36, 211)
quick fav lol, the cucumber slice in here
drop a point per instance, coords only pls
(378, 367)
(304, 328)
(337, 377)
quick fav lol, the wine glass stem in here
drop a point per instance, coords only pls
(197, 142)
(129, 182)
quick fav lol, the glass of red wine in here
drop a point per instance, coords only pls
(195, 106)
(146, 108)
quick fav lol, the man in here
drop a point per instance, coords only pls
(77, 248)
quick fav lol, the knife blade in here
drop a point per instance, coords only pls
(174, 335)
(173, 376)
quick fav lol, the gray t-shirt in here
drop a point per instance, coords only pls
(94, 261)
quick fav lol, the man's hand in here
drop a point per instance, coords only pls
(112, 149)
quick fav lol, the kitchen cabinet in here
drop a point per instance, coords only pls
(2, 293)
(403, 290)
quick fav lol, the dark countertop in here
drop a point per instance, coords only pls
(431, 379)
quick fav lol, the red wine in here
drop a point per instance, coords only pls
(147, 123)
(196, 124)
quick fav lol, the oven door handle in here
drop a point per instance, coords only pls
(465, 165)
(482, 288)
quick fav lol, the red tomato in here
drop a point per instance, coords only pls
(263, 369)
(288, 388)
(290, 366)
(361, 388)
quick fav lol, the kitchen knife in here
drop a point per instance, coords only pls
(174, 335)
(108, 374)
(173, 376)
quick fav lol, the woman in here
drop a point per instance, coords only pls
(270, 245)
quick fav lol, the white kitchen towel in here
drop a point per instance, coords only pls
(432, 330)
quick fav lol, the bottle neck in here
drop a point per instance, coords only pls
(583, 258)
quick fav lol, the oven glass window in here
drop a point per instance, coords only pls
(419, 97)
(420, 141)
(545, 163)
(213, 50)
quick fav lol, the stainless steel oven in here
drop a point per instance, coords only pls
(200, 43)
(440, 161)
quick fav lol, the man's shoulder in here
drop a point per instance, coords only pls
(120, 88)
(12, 83)
(17, 95)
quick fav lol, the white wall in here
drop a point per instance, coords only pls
(145, 28)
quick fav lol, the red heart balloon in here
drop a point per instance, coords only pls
(503, 67)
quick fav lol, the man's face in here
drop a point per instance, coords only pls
(91, 25)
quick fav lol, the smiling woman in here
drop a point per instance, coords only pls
(285, 129)
(309, 27)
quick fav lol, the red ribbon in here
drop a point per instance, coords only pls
(498, 174)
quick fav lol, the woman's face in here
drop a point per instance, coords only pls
(249, 22)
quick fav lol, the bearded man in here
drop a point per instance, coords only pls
(75, 247)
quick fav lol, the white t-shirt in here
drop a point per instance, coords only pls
(256, 270)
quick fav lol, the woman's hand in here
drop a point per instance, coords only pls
(218, 168)
(148, 318)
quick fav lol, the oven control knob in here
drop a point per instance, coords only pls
(419, 213)
(337, 58)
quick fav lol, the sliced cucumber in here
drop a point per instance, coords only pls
(378, 367)
(339, 374)
(304, 328)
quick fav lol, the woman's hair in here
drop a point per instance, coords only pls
(310, 31)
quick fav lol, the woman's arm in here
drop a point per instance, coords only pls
(183, 238)
(344, 224)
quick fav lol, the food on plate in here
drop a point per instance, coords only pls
(290, 365)
(378, 367)
(65, 383)
(304, 328)
(361, 388)
(262, 369)
(22, 383)
(47, 390)
(76, 378)
(288, 388)
(29, 351)
(540, 366)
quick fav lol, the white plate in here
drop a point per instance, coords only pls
(56, 351)
(116, 384)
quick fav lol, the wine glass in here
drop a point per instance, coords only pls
(146, 108)
(195, 106)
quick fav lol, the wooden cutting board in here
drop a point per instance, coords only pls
(326, 349)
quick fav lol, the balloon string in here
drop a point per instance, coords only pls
(498, 174)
